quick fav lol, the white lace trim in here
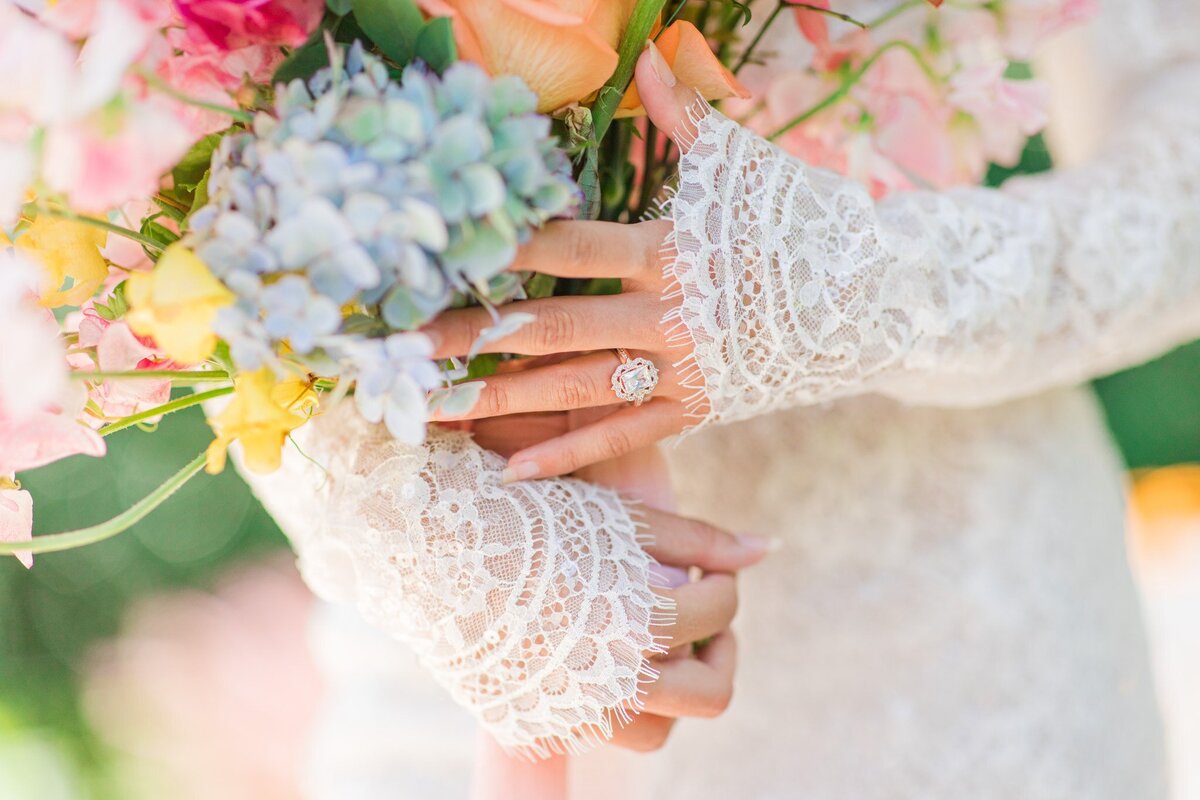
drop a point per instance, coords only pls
(791, 286)
(532, 604)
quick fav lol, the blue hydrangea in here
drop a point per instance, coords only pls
(363, 206)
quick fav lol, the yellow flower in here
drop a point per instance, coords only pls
(260, 416)
(176, 304)
(66, 249)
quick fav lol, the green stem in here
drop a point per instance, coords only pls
(851, 80)
(784, 4)
(888, 16)
(180, 375)
(641, 23)
(160, 85)
(70, 540)
(750, 48)
(103, 224)
(167, 408)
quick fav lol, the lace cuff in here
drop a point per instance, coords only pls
(531, 603)
(792, 286)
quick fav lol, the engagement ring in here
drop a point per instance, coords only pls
(635, 379)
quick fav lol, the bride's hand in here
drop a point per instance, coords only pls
(693, 681)
(590, 328)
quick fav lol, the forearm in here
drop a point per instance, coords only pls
(531, 604)
(797, 288)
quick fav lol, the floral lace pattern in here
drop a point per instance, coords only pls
(531, 604)
(792, 286)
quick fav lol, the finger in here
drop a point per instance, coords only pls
(702, 609)
(574, 249)
(667, 99)
(584, 382)
(696, 687)
(562, 325)
(643, 734)
(508, 435)
(629, 429)
(681, 542)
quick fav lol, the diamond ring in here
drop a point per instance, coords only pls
(635, 379)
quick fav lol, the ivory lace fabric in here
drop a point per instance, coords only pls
(952, 614)
(795, 287)
(531, 604)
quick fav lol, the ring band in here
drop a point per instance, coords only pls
(634, 379)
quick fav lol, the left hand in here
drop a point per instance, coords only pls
(589, 328)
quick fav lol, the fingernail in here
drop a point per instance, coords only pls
(518, 472)
(762, 544)
(661, 68)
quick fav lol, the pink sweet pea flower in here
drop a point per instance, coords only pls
(16, 520)
(1027, 23)
(1008, 112)
(118, 349)
(214, 76)
(101, 168)
(233, 24)
(39, 406)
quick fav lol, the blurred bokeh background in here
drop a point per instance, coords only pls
(170, 661)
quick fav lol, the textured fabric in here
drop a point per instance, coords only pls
(531, 604)
(952, 614)
(795, 287)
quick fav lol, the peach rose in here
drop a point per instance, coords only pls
(566, 49)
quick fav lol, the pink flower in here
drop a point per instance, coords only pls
(215, 76)
(16, 520)
(1027, 23)
(101, 168)
(39, 406)
(1008, 112)
(33, 370)
(233, 24)
(118, 349)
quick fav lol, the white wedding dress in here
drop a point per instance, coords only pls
(952, 615)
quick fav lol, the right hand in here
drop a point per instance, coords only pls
(699, 684)
(692, 681)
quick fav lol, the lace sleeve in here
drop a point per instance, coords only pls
(531, 604)
(795, 287)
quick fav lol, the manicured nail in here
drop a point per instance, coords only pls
(760, 543)
(518, 472)
(661, 68)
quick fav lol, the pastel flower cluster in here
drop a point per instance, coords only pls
(391, 198)
(171, 217)
(929, 101)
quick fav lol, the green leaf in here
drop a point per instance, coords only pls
(304, 60)
(200, 200)
(158, 233)
(338, 7)
(540, 285)
(393, 25)
(435, 44)
(194, 165)
(483, 365)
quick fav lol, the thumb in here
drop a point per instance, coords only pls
(666, 99)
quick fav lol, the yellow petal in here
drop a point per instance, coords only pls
(260, 416)
(182, 278)
(66, 249)
(176, 303)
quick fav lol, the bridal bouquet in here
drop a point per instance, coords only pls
(266, 201)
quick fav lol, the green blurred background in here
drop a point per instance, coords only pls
(51, 615)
